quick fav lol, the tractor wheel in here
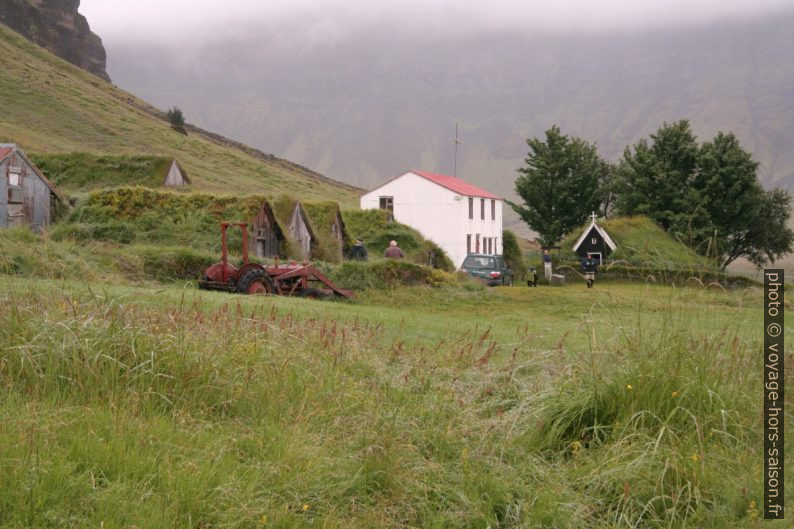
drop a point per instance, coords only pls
(255, 282)
(313, 293)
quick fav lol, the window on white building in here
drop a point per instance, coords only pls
(482, 209)
(477, 243)
(493, 209)
(468, 243)
(387, 203)
(471, 208)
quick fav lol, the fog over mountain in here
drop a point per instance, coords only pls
(366, 102)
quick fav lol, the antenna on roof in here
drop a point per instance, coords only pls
(457, 142)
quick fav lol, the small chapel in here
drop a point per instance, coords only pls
(595, 241)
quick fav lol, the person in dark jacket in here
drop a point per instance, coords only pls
(589, 266)
(359, 252)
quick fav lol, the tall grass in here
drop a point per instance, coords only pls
(219, 412)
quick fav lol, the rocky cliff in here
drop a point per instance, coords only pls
(57, 26)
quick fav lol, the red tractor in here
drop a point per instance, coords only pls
(292, 279)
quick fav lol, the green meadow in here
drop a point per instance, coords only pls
(161, 406)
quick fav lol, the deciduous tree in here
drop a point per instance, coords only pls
(745, 220)
(559, 184)
(708, 196)
(655, 179)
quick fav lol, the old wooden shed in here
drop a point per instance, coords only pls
(268, 237)
(176, 175)
(27, 198)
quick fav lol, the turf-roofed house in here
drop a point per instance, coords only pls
(27, 198)
(458, 216)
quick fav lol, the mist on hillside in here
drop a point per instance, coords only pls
(362, 103)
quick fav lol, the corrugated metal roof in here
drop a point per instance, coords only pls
(457, 185)
(5, 151)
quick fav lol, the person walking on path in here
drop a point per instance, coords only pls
(393, 251)
(589, 267)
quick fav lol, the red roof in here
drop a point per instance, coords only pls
(4, 152)
(457, 185)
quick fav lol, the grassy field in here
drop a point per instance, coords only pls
(52, 107)
(163, 406)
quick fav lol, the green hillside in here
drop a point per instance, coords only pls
(83, 171)
(49, 106)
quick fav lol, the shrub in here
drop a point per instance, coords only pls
(176, 119)
(512, 255)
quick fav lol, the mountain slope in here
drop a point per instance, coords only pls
(51, 106)
(365, 107)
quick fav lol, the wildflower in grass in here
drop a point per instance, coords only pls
(576, 446)
(752, 510)
(629, 387)
(305, 506)
(262, 521)
(695, 457)
(675, 393)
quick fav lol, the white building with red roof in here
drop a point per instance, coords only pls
(458, 216)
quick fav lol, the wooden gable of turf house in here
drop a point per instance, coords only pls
(301, 231)
(329, 228)
(338, 228)
(176, 176)
(268, 238)
(27, 198)
(595, 241)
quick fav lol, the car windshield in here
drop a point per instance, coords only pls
(475, 261)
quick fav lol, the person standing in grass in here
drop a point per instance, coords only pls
(393, 251)
(532, 277)
(589, 267)
(547, 265)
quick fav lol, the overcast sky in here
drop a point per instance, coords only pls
(202, 21)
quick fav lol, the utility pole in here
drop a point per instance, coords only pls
(457, 142)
